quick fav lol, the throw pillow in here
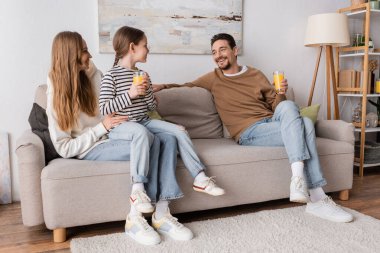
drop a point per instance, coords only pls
(154, 115)
(310, 112)
(39, 123)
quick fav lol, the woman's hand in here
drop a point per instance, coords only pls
(158, 87)
(111, 120)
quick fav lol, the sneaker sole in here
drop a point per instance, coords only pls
(212, 194)
(173, 237)
(330, 219)
(146, 210)
(141, 241)
(298, 199)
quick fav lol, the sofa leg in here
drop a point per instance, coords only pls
(59, 234)
(344, 194)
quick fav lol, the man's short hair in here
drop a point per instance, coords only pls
(224, 36)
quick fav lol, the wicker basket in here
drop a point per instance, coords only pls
(371, 152)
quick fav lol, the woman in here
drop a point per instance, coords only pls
(77, 130)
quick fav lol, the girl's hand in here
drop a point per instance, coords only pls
(139, 89)
(283, 87)
(111, 120)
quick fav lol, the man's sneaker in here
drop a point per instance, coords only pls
(327, 209)
(139, 230)
(298, 190)
(141, 202)
(170, 226)
(208, 186)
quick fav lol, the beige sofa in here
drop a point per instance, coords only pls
(69, 192)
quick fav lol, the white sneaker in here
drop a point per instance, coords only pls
(208, 186)
(170, 226)
(139, 230)
(298, 190)
(327, 209)
(141, 202)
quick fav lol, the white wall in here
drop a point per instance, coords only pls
(273, 33)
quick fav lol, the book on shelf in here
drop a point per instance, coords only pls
(351, 78)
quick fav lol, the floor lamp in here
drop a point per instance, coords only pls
(326, 31)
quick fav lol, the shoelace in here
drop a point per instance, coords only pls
(211, 181)
(329, 201)
(144, 223)
(142, 195)
(174, 221)
(298, 183)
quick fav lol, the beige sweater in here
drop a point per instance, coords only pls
(240, 100)
(89, 131)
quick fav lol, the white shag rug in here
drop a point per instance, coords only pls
(282, 230)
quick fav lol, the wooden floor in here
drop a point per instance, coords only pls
(14, 237)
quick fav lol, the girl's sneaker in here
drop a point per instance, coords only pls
(170, 226)
(208, 186)
(141, 202)
(139, 230)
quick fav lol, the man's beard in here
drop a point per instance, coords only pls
(228, 65)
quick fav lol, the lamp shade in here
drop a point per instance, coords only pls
(327, 29)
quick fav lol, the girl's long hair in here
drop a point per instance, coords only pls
(73, 92)
(122, 39)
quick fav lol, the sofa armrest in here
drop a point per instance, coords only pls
(31, 161)
(338, 130)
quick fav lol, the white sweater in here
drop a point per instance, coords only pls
(89, 131)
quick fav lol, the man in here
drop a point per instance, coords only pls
(257, 115)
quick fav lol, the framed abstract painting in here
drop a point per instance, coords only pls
(172, 27)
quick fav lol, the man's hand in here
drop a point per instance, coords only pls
(283, 87)
(158, 87)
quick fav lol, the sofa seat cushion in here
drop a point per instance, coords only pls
(226, 151)
(213, 152)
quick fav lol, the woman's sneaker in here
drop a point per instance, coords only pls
(208, 186)
(328, 210)
(170, 226)
(298, 190)
(141, 202)
(139, 230)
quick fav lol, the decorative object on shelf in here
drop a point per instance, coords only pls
(327, 30)
(372, 66)
(371, 120)
(357, 115)
(357, 40)
(377, 105)
(377, 86)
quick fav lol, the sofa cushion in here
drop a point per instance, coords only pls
(39, 123)
(192, 108)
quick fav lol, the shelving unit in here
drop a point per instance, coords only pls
(362, 12)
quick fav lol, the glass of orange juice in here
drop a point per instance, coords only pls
(278, 76)
(138, 77)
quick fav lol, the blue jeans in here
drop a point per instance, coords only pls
(141, 140)
(287, 128)
(185, 145)
(160, 182)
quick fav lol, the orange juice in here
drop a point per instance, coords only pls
(138, 77)
(278, 76)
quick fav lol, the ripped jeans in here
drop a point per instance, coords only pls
(185, 146)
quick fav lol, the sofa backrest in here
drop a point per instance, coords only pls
(40, 95)
(192, 108)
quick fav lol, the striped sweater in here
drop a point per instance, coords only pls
(114, 96)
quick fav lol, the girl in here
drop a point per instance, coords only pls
(119, 96)
(77, 130)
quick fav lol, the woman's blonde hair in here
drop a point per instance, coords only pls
(123, 37)
(73, 91)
